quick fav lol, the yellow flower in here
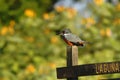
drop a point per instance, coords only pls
(83, 21)
(118, 7)
(102, 32)
(108, 32)
(71, 12)
(30, 13)
(52, 65)
(30, 68)
(12, 23)
(46, 16)
(98, 2)
(4, 30)
(29, 39)
(47, 31)
(116, 21)
(54, 39)
(88, 22)
(59, 8)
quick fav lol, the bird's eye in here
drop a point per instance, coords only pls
(63, 32)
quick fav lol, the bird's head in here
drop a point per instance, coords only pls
(64, 31)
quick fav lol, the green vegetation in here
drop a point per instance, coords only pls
(30, 49)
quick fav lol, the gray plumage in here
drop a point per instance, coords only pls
(69, 36)
(72, 38)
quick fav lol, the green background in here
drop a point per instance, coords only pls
(31, 50)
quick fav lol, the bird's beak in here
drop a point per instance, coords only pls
(59, 33)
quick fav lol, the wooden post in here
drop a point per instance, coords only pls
(72, 58)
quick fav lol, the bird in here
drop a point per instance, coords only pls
(70, 38)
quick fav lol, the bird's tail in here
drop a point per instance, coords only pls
(87, 42)
(83, 43)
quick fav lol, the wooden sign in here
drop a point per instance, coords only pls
(73, 70)
(88, 69)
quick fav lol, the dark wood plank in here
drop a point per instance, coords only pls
(72, 58)
(88, 69)
(111, 79)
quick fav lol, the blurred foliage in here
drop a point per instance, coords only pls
(30, 50)
(13, 9)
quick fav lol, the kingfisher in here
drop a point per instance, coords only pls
(70, 38)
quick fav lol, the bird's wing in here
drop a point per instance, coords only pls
(72, 38)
